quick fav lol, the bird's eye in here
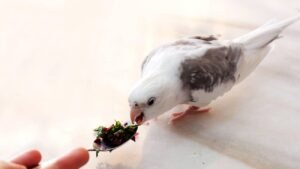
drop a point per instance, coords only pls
(151, 101)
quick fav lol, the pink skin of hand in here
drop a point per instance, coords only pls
(31, 160)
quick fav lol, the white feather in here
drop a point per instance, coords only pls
(265, 34)
(258, 43)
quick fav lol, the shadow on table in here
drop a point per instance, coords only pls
(103, 165)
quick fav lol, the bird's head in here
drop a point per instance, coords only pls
(151, 97)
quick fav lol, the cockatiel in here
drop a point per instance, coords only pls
(197, 70)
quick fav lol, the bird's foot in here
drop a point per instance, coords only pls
(191, 110)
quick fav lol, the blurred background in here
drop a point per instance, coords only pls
(68, 66)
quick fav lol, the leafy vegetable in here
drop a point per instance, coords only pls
(113, 136)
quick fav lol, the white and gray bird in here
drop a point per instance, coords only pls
(197, 70)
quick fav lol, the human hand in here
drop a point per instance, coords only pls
(73, 160)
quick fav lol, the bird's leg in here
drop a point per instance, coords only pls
(190, 110)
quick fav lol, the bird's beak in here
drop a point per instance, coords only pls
(137, 115)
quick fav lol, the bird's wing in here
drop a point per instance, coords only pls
(217, 66)
(183, 44)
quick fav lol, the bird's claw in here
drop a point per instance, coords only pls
(191, 110)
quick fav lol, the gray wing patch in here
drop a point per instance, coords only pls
(218, 65)
(205, 38)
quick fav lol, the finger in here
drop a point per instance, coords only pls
(29, 159)
(73, 160)
(6, 165)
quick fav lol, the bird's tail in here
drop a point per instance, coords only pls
(257, 43)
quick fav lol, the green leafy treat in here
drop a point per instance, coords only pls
(108, 138)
